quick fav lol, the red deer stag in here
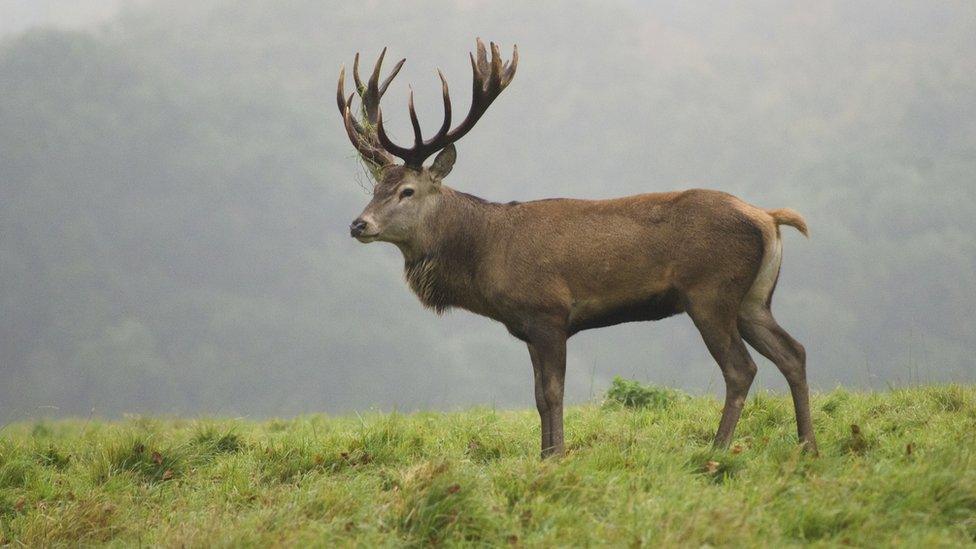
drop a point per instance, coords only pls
(548, 269)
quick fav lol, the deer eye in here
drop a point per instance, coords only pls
(405, 193)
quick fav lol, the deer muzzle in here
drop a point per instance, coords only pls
(357, 228)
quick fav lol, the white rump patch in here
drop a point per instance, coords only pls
(758, 294)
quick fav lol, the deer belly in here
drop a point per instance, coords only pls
(597, 313)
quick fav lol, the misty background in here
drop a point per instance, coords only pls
(176, 187)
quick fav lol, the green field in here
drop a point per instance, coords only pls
(895, 468)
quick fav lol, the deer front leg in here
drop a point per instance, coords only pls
(548, 353)
(540, 399)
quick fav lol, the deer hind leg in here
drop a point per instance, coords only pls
(760, 329)
(716, 321)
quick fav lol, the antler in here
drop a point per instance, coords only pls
(489, 81)
(365, 138)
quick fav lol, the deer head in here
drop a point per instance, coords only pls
(407, 193)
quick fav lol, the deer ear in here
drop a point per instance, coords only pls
(443, 162)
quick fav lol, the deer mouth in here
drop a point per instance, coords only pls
(366, 238)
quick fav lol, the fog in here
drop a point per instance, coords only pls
(19, 15)
(176, 188)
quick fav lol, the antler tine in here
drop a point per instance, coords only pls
(511, 65)
(355, 74)
(418, 138)
(341, 91)
(475, 72)
(482, 59)
(349, 122)
(371, 97)
(446, 125)
(393, 73)
(496, 65)
(374, 78)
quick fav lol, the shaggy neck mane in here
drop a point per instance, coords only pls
(424, 279)
(441, 270)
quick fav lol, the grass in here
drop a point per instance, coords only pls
(896, 468)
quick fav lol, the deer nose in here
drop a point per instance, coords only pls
(357, 228)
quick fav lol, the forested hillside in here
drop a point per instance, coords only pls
(175, 188)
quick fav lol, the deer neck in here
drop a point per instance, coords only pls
(442, 266)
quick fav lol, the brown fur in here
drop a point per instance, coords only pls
(548, 269)
(579, 260)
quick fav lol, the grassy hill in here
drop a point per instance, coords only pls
(895, 468)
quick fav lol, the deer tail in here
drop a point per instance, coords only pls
(788, 216)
